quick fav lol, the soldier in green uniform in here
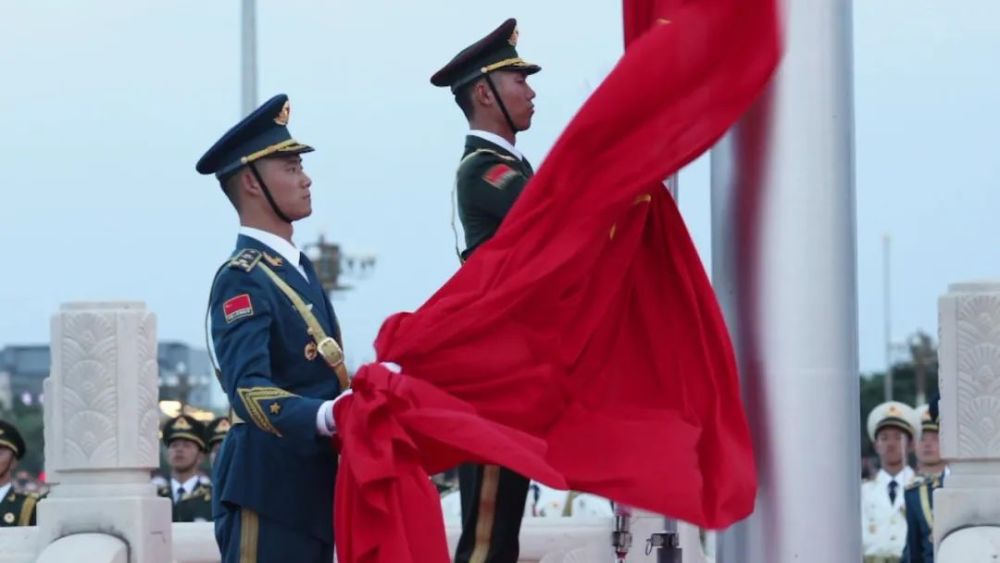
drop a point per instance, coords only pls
(489, 81)
(217, 430)
(191, 494)
(16, 509)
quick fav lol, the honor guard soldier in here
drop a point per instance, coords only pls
(892, 428)
(16, 509)
(217, 430)
(190, 493)
(489, 81)
(276, 344)
(929, 462)
(919, 496)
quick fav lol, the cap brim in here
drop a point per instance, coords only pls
(189, 437)
(297, 148)
(12, 447)
(893, 422)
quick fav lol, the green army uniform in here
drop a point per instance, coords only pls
(488, 182)
(217, 430)
(16, 509)
(489, 179)
(194, 505)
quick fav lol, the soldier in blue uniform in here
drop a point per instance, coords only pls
(276, 344)
(919, 498)
(489, 81)
(16, 509)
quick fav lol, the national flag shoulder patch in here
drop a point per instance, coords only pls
(237, 308)
(499, 175)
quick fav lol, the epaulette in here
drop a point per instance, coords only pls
(202, 490)
(246, 259)
(477, 152)
(917, 483)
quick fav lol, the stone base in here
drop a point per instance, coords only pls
(18, 544)
(955, 509)
(142, 522)
(99, 548)
(981, 543)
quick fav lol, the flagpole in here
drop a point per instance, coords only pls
(784, 268)
(248, 52)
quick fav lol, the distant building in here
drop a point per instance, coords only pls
(27, 367)
(185, 374)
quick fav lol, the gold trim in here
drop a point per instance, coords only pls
(644, 198)
(513, 61)
(27, 511)
(251, 400)
(189, 437)
(249, 532)
(568, 507)
(486, 514)
(326, 346)
(266, 151)
(925, 504)
(274, 261)
(12, 447)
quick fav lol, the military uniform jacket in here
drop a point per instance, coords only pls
(195, 506)
(489, 180)
(919, 499)
(17, 509)
(275, 463)
(883, 523)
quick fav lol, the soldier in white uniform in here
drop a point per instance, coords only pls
(892, 428)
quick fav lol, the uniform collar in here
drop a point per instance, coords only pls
(286, 249)
(498, 141)
(4, 490)
(189, 486)
(903, 477)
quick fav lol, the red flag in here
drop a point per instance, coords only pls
(587, 323)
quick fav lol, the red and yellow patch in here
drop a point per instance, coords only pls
(498, 175)
(237, 308)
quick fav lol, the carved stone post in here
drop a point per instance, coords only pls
(101, 429)
(967, 508)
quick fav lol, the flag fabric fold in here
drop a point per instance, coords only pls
(581, 346)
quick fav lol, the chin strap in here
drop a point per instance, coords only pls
(267, 193)
(503, 107)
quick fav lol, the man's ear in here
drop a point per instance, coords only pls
(482, 94)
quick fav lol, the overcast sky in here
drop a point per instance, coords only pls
(107, 105)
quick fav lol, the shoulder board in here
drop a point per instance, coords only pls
(917, 483)
(246, 259)
(481, 152)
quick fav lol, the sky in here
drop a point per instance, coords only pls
(106, 107)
